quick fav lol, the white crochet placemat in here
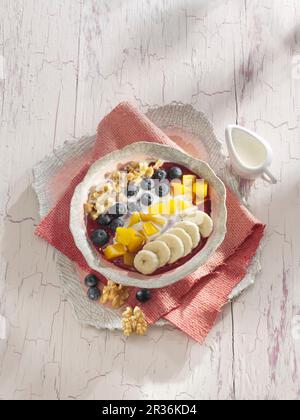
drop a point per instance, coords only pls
(182, 123)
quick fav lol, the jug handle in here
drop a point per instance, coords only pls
(269, 177)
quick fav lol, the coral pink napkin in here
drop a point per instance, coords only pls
(194, 303)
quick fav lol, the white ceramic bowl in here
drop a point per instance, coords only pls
(139, 152)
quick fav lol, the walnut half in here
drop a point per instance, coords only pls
(114, 293)
(133, 321)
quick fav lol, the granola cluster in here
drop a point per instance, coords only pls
(101, 199)
(134, 171)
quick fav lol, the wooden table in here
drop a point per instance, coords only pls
(63, 65)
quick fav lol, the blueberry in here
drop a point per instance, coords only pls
(160, 175)
(99, 237)
(117, 210)
(162, 189)
(132, 189)
(147, 184)
(116, 223)
(175, 173)
(104, 219)
(94, 293)
(147, 199)
(91, 281)
(133, 206)
(143, 295)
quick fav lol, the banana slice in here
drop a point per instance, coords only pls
(206, 226)
(162, 251)
(191, 229)
(197, 217)
(185, 237)
(146, 262)
(175, 245)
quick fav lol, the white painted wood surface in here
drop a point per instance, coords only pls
(67, 63)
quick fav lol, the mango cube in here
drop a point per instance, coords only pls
(189, 179)
(152, 218)
(135, 218)
(124, 236)
(166, 208)
(136, 243)
(200, 191)
(188, 185)
(156, 209)
(177, 189)
(112, 252)
(170, 207)
(159, 221)
(150, 229)
(178, 206)
(188, 182)
(128, 259)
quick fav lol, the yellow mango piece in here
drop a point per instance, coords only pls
(200, 191)
(146, 217)
(177, 189)
(152, 218)
(189, 179)
(112, 252)
(135, 218)
(178, 206)
(136, 243)
(129, 258)
(188, 185)
(170, 207)
(150, 229)
(154, 209)
(189, 195)
(159, 221)
(165, 208)
(124, 236)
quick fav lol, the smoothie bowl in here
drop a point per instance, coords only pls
(148, 215)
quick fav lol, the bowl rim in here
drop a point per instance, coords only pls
(120, 276)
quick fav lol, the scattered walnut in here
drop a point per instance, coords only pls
(133, 321)
(120, 298)
(127, 324)
(114, 293)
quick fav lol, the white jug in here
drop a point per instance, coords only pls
(249, 153)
